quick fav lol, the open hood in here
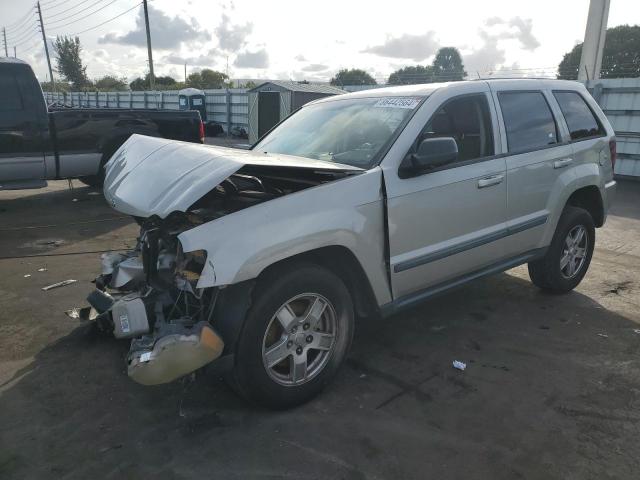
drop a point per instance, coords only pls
(154, 176)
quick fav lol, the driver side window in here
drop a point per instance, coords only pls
(467, 120)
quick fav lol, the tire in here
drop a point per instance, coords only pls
(291, 292)
(95, 181)
(553, 272)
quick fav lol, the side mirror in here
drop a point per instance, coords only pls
(431, 153)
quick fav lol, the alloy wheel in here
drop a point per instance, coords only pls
(299, 339)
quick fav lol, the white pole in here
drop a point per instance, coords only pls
(594, 36)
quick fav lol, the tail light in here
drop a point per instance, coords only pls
(201, 130)
(613, 152)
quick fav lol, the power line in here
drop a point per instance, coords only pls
(62, 12)
(52, 24)
(18, 24)
(106, 21)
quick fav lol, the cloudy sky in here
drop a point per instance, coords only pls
(298, 40)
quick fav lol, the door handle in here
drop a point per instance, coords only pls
(562, 163)
(489, 181)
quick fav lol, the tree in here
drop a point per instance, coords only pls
(620, 58)
(207, 78)
(354, 76)
(447, 65)
(412, 74)
(162, 83)
(69, 62)
(110, 83)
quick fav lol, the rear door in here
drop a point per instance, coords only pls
(587, 134)
(448, 222)
(537, 153)
(22, 120)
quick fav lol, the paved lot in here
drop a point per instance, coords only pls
(552, 388)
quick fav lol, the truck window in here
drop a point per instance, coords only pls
(528, 120)
(580, 119)
(468, 121)
(10, 98)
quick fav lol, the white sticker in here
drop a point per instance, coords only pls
(124, 323)
(145, 357)
(397, 102)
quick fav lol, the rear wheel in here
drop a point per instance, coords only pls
(295, 336)
(569, 255)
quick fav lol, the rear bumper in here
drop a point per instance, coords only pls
(609, 195)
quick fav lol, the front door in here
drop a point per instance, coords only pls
(21, 152)
(450, 221)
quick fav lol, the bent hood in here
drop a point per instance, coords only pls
(154, 176)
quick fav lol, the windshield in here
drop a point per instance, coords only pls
(351, 132)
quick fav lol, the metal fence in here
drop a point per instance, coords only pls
(226, 106)
(619, 98)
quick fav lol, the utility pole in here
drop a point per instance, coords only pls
(14, 53)
(46, 47)
(152, 78)
(594, 36)
(185, 73)
(4, 34)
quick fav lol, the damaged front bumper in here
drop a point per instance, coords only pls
(149, 295)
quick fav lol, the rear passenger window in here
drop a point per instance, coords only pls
(528, 120)
(580, 119)
(10, 98)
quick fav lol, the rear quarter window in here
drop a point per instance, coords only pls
(528, 120)
(580, 119)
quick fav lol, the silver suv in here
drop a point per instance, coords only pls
(257, 262)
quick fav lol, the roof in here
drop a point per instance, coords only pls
(12, 60)
(190, 91)
(302, 87)
(425, 89)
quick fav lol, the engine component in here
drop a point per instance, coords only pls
(175, 355)
(129, 317)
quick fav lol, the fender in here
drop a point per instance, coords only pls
(346, 212)
(575, 178)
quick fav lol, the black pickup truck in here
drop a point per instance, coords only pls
(39, 144)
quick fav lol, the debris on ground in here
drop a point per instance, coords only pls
(636, 330)
(26, 275)
(43, 269)
(83, 314)
(459, 365)
(603, 335)
(63, 283)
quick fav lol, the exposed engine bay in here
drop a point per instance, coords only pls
(150, 294)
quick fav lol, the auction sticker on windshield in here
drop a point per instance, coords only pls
(397, 102)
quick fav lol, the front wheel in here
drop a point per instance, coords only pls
(567, 260)
(295, 336)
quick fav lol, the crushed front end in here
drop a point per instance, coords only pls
(149, 295)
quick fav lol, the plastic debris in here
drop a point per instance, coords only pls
(43, 269)
(459, 365)
(603, 335)
(83, 314)
(63, 283)
(27, 275)
(636, 330)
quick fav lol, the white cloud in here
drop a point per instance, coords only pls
(166, 32)
(414, 47)
(257, 59)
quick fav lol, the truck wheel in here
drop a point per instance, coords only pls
(296, 335)
(569, 255)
